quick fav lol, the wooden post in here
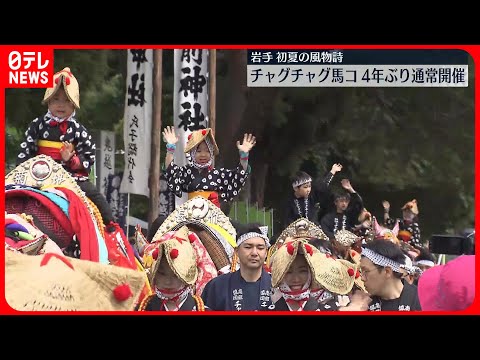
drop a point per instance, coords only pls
(212, 95)
(212, 85)
(154, 176)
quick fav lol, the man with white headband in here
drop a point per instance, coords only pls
(382, 269)
(249, 288)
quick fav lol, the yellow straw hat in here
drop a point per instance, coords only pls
(179, 252)
(285, 255)
(52, 282)
(197, 136)
(205, 219)
(70, 85)
(301, 228)
(355, 256)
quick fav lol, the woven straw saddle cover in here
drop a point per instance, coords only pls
(212, 226)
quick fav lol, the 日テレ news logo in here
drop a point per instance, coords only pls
(27, 68)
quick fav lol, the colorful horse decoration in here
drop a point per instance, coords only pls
(210, 232)
(21, 235)
(385, 233)
(50, 198)
(382, 232)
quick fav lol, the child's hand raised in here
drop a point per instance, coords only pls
(386, 205)
(248, 143)
(169, 135)
(336, 168)
(346, 185)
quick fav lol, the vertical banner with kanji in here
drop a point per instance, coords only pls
(190, 99)
(105, 159)
(138, 122)
(166, 199)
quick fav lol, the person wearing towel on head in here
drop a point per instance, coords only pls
(383, 269)
(249, 288)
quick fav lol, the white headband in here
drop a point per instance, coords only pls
(249, 235)
(424, 262)
(381, 260)
(301, 182)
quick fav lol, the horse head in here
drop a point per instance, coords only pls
(384, 233)
(42, 188)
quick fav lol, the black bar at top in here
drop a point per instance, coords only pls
(366, 57)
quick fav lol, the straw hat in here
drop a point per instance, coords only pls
(335, 275)
(70, 85)
(214, 228)
(346, 238)
(301, 228)
(412, 206)
(52, 282)
(178, 250)
(197, 136)
(356, 257)
(285, 255)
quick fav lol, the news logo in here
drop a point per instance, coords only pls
(26, 67)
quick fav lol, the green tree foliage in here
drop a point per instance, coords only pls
(395, 144)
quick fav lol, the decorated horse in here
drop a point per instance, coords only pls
(49, 197)
(211, 233)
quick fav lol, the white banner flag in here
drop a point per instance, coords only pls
(190, 99)
(106, 165)
(138, 122)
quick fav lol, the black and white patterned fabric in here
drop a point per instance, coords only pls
(412, 227)
(227, 183)
(76, 133)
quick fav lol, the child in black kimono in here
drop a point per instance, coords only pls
(348, 206)
(408, 224)
(200, 177)
(61, 136)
